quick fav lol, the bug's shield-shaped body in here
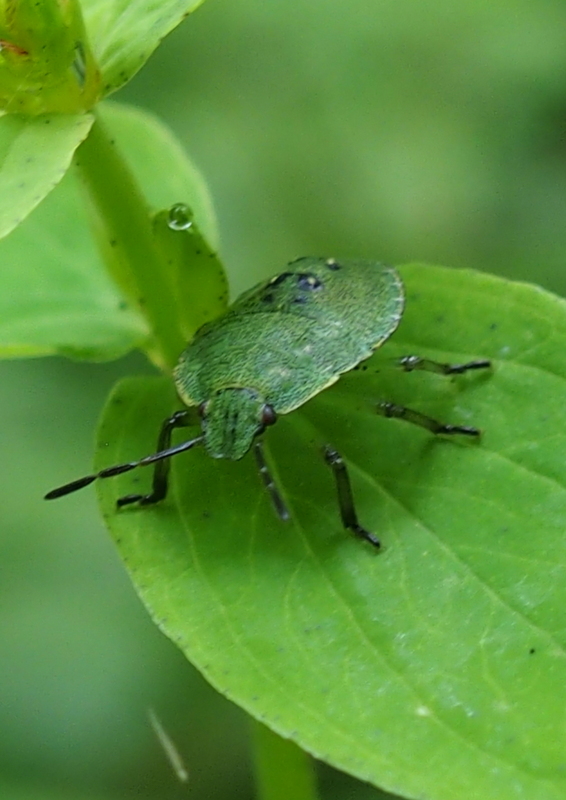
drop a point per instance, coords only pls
(283, 342)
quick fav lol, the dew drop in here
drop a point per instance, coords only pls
(180, 217)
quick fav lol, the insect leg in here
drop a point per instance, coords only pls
(119, 469)
(400, 412)
(180, 419)
(410, 363)
(269, 483)
(345, 497)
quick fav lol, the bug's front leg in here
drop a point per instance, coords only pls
(180, 419)
(345, 496)
(276, 498)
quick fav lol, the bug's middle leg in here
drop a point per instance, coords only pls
(345, 496)
(416, 418)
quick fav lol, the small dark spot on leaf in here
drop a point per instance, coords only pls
(122, 305)
(198, 252)
(532, 651)
(493, 326)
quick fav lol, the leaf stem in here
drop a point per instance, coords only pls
(123, 223)
(282, 769)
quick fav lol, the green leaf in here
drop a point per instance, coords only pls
(55, 296)
(192, 268)
(46, 65)
(35, 153)
(124, 33)
(437, 667)
(161, 165)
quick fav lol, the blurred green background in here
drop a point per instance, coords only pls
(399, 131)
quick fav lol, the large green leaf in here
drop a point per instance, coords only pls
(124, 33)
(437, 667)
(35, 153)
(55, 296)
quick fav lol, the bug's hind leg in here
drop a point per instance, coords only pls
(345, 497)
(432, 425)
(180, 419)
(410, 363)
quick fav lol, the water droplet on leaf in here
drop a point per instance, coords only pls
(180, 217)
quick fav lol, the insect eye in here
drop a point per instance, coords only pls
(268, 415)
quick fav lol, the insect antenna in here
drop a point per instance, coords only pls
(118, 469)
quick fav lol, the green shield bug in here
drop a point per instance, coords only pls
(278, 345)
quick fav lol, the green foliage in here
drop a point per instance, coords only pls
(46, 68)
(45, 62)
(55, 294)
(124, 33)
(36, 154)
(431, 669)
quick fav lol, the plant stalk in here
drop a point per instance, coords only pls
(282, 770)
(123, 223)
